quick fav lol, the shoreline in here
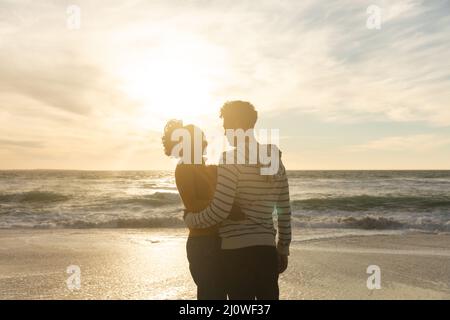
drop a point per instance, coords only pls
(152, 264)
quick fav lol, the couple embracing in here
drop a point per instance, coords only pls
(232, 246)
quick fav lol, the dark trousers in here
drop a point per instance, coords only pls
(251, 273)
(204, 256)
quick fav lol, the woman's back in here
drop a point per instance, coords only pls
(196, 185)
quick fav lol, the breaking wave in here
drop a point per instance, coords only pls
(154, 200)
(371, 223)
(33, 196)
(155, 222)
(366, 202)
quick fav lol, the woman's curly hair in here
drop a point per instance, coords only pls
(173, 125)
(167, 142)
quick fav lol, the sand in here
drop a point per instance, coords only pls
(151, 264)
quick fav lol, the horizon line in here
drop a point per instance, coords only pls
(111, 170)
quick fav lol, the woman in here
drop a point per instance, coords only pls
(196, 184)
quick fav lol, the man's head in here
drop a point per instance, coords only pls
(238, 115)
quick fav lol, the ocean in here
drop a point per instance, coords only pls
(366, 200)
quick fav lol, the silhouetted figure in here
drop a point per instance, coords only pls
(252, 257)
(196, 184)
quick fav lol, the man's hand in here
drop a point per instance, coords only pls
(236, 213)
(282, 263)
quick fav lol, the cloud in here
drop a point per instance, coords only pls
(4, 143)
(317, 57)
(41, 59)
(414, 143)
(400, 9)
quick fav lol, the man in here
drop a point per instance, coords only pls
(252, 259)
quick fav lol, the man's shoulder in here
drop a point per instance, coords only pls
(228, 154)
(228, 158)
(228, 164)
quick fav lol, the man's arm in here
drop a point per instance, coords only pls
(284, 218)
(220, 207)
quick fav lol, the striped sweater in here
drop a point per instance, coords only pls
(260, 197)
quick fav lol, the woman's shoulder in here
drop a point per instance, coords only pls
(190, 169)
(184, 177)
(183, 170)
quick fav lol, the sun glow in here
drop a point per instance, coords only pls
(175, 80)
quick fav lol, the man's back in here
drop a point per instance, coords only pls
(258, 196)
(251, 261)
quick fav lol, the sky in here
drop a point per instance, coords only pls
(90, 84)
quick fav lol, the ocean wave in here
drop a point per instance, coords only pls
(153, 200)
(32, 197)
(155, 222)
(369, 222)
(367, 202)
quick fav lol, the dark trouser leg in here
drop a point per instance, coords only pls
(252, 273)
(204, 258)
(239, 274)
(267, 283)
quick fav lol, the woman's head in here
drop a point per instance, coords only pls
(173, 137)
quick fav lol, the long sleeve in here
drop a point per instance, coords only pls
(284, 218)
(220, 207)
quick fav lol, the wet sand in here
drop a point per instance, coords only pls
(151, 264)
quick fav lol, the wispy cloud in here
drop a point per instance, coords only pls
(318, 57)
(415, 143)
(4, 143)
(404, 9)
(315, 56)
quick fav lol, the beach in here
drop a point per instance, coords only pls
(151, 264)
(319, 125)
